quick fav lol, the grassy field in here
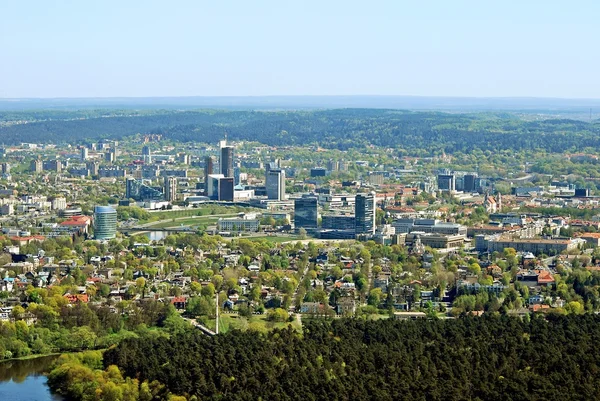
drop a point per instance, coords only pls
(200, 211)
(255, 322)
(276, 239)
(191, 221)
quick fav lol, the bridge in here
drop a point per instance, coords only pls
(146, 229)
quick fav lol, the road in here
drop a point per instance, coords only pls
(197, 325)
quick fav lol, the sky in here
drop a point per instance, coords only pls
(140, 48)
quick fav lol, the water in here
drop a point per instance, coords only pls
(156, 235)
(25, 381)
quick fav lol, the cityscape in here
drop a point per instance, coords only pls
(299, 201)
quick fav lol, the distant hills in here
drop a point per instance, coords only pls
(425, 131)
(463, 104)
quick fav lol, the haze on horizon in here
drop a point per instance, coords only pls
(149, 48)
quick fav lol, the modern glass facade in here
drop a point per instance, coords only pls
(227, 161)
(305, 212)
(105, 222)
(365, 213)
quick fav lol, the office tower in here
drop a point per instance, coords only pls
(138, 191)
(212, 186)
(130, 188)
(208, 170)
(226, 162)
(365, 213)
(52, 165)
(226, 189)
(447, 182)
(84, 153)
(59, 204)
(469, 182)
(37, 166)
(170, 188)
(146, 155)
(105, 222)
(183, 158)
(93, 167)
(275, 182)
(305, 212)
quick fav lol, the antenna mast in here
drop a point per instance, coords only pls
(217, 313)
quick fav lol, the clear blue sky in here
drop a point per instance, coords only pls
(108, 48)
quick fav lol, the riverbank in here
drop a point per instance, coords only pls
(35, 356)
(26, 378)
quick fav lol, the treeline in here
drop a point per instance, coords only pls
(61, 327)
(487, 358)
(343, 129)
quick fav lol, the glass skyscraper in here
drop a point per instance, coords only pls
(365, 213)
(105, 222)
(305, 212)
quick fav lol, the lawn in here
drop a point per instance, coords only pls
(191, 221)
(200, 211)
(276, 239)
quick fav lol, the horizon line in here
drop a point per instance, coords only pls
(296, 96)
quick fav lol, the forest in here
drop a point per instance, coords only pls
(342, 129)
(494, 357)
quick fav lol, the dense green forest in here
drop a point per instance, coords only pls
(342, 128)
(488, 358)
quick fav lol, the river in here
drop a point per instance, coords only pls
(157, 235)
(24, 380)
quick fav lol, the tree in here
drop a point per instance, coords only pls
(277, 315)
(195, 287)
(302, 233)
(375, 297)
(208, 290)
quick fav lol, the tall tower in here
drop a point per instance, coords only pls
(306, 212)
(275, 181)
(170, 188)
(105, 222)
(226, 161)
(365, 213)
(146, 155)
(208, 170)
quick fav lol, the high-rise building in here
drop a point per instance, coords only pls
(183, 158)
(109, 157)
(226, 189)
(5, 168)
(146, 155)
(208, 170)
(105, 222)
(93, 167)
(52, 165)
(37, 166)
(212, 186)
(275, 181)
(84, 153)
(469, 182)
(226, 162)
(170, 188)
(306, 212)
(365, 205)
(447, 182)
